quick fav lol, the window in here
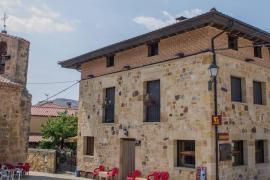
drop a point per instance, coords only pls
(259, 150)
(185, 153)
(233, 42)
(110, 61)
(257, 92)
(238, 153)
(109, 105)
(258, 51)
(152, 101)
(236, 89)
(153, 49)
(3, 53)
(89, 146)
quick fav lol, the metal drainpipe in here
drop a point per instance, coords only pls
(215, 96)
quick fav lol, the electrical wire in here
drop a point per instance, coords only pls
(61, 91)
(45, 83)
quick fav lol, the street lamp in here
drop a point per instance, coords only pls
(213, 70)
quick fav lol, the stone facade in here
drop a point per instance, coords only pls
(42, 160)
(15, 101)
(186, 106)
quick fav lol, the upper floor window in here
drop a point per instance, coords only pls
(258, 51)
(185, 153)
(233, 42)
(3, 52)
(238, 153)
(258, 93)
(89, 146)
(110, 61)
(152, 101)
(236, 89)
(109, 105)
(153, 49)
(259, 151)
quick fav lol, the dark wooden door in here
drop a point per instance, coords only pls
(127, 157)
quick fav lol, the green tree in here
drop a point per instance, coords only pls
(58, 129)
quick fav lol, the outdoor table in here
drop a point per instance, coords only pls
(102, 174)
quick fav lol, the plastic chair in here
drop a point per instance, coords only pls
(133, 176)
(164, 175)
(97, 170)
(155, 175)
(113, 172)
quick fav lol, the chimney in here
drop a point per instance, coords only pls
(180, 19)
(68, 104)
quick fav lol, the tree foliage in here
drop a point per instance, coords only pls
(58, 129)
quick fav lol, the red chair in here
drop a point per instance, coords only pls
(133, 176)
(26, 168)
(164, 175)
(155, 175)
(97, 170)
(113, 172)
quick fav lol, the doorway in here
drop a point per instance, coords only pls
(127, 157)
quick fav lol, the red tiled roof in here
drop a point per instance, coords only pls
(35, 138)
(50, 111)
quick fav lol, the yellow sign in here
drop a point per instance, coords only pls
(216, 120)
(223, 136)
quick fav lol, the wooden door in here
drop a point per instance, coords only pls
(127, 157)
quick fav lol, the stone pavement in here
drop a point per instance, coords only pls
(47, 176)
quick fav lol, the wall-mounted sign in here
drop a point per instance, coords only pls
(201, 173)
(225, 152)
(216, 120)
(223, 136)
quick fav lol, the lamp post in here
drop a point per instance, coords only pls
(213, 71)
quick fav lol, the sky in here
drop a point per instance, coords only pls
(62, 29)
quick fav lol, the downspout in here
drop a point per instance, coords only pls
(215, 95)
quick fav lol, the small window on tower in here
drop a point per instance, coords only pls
(3, 53)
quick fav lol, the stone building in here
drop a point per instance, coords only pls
(15, 101)
(146, 103)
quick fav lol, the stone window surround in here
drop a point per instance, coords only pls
(266, 155)
(175, 156)
(264, 94)
(243, 87)
(85, 146)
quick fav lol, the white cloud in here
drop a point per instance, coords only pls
(37, 17)
(153, 23)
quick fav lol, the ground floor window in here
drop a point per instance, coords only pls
(238, 153)
(89, 146)
(185, 150)
(260, 151)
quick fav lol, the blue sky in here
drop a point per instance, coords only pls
(61, 29)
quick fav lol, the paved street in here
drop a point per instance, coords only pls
(47, 176)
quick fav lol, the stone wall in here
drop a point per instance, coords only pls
(246, 120)
(42, 160)
(15, 102)
(185, 115)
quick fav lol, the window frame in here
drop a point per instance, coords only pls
(260, 154)
(238, 153)
(182, 153)
(237, 97)
(110, 60)
(233, 42)
(109, 108)
(3, 52)
(153, 49)
(257, 101)
(89, 146)
(152, 102)
(258, 52)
